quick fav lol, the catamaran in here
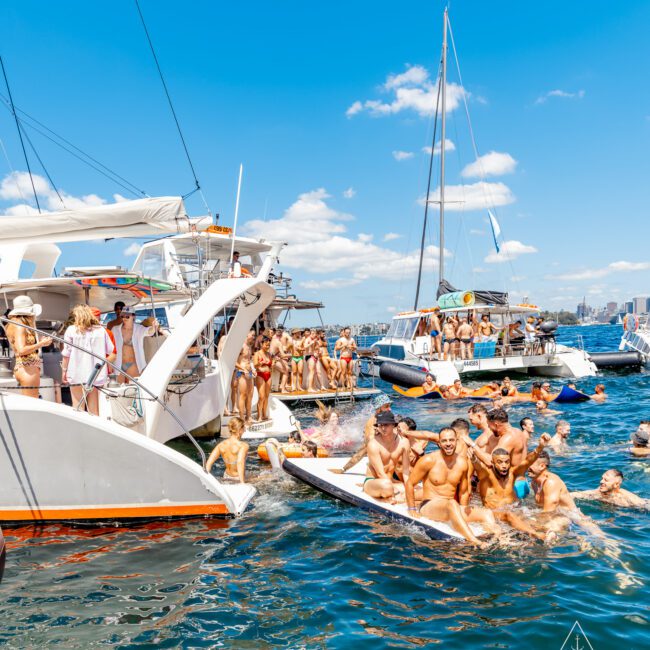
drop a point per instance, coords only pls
(59, 463)
(408, 343)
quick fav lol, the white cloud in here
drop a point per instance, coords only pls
(350, 193)
(509, 250)
(390, 236)
(318, 243)
(591, 274)
(17, 185)
(517, 278)
(492, 163)
(132, 249)
(391, 310)
(475, 196)
(336, 283)
(563, 94)
(476, 231)
(449, 146)
(364, 237)
(402, 155)
(412, 90)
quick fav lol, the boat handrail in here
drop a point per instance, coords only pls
(119, 371)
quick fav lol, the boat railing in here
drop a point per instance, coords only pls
(98, 366)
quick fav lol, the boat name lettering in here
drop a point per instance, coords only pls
(472, 362)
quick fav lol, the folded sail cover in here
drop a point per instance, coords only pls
(142, 218)
(480, 297)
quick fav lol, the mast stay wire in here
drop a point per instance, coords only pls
(13, 172)
(97, 166)
(49, 178)
(171, 106)
(20, 135)
(486, 193)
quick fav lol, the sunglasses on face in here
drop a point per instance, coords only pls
(127, 316)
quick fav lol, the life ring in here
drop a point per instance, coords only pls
(631, 323)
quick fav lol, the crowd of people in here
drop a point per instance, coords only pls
(121, 343)
(483, 479)
(303, 363)
(454, 336)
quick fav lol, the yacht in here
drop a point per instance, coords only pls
(59, 463)
(636, 336)
(407, 345)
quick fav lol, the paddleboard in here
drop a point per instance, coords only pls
(348, 488)
(570, 395)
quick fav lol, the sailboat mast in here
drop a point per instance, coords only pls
(443, 116)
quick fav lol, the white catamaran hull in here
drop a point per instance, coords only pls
(59, 464)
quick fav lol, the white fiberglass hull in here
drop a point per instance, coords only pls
(59, 464)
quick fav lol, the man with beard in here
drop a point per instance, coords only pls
(559, 440)
(497, 478)
(444, 475)
(610, 491)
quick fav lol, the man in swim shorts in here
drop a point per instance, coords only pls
(388, 459)
(280, 358)
(599, 394)
(610, 491)
(559, 440)
(528, 427)
(497, 480)
(450, 340)
(457, 390)
(477, 415)
(465, 335)
(444, 475)
(486, 328)
(429, 384)
(346, 346)
(435, 333)
(543, 409)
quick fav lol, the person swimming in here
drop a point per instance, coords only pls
(610, 491)
(233, 451)
(640, 440)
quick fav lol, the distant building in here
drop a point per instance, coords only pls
(629, 307)
(640, 304)
(583, 310)
(612, 307)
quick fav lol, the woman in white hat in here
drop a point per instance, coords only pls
(25, 344)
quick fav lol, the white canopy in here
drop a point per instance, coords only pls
(141, 218)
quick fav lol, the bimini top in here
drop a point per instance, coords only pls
(141, 218)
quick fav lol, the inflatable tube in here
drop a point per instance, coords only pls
(456, 299)
(290, 450)
(397, 373)
(617, 359)
(570, 396)
(418, 393)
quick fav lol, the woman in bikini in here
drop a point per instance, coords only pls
(297, 360)
(328, 364)
(233, 451)
(24, 343)
(263, 361)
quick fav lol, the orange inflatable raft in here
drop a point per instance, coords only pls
(291, 450)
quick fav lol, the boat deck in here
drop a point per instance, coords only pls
(327, 395)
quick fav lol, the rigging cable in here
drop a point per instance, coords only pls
(171, 106)
(486, 193)
(20, 135)
(49, 178)
(426, 202)
(108, 173)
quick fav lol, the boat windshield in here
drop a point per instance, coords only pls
(403, 328)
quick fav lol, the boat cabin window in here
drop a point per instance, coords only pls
(160, 315)
(152, 263)
(404, 328)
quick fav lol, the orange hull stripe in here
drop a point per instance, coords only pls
(114, 512)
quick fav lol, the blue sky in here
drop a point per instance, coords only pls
(556, 90)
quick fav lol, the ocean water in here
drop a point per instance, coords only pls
(301, 570)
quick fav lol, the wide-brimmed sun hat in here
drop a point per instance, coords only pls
(25, 306)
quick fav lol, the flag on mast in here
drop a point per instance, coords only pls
(496, 229)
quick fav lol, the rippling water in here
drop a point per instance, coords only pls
(303, 570)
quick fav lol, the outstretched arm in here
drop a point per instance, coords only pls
(358, 455)
(431, 436)
(420, 471)
(216, 452)
(480, 455)
(520, 470)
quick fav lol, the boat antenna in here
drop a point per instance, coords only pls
(171, 106)
(234, 230)
(426, 203)
(443, 120)
(20, 135)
